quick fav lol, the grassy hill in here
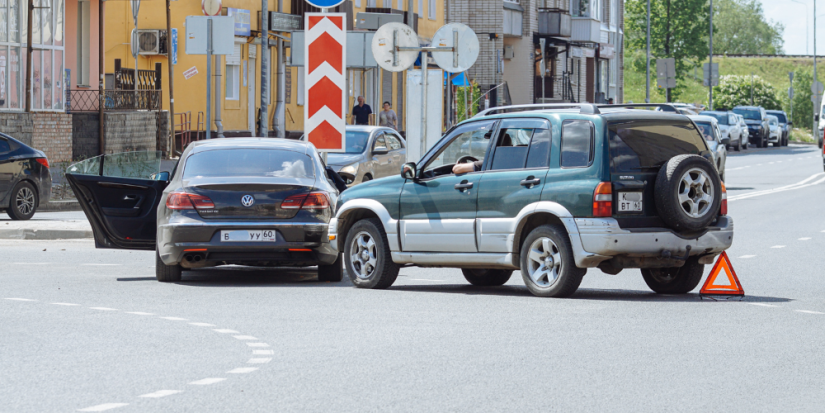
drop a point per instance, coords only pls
(772, 69)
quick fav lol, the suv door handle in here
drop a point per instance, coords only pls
(463, 186)
(530, 182)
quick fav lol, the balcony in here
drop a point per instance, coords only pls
(585, 29)
(512, 19)
(554, 23)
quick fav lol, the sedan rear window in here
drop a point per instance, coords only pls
(248, 162)
(644, 145)
(749, 114)
(722, 118)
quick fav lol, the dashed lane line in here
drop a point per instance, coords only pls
(808, 312)
(242, 370)
(805, 239)
(138, 313)
(747, 256)
(263, 352)
(202, 324)
(245, 337)
(19, 299)
(174, 318)
(763, 305)
(103, 407)
(226, 331)
(257, 344)
(161, 393)
(204, 382)
(65, 304)
(260, 360)
(103, 308)
(778, 246)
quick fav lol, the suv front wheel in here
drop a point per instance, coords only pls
(367, 255)
(547, 264)
(675, 280)
(486, 278)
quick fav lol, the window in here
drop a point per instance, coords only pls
(431, 9)
(646, 145)
(522, 143)
(420, 9)
(249, 162)
(471, 139)
(576, 143)
(392, 142)
(380, 143)
(232, 82)
(358, 3)
(356, 141)
(4, 146)
(83, 43)
(399, 5)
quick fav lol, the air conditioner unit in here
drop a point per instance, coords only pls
(149, 42)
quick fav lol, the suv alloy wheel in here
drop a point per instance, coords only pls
(675, 280)
(547, 264)
(367, 255)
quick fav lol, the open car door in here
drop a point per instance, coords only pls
(120, 194)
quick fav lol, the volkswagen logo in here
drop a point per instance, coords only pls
(247, 200)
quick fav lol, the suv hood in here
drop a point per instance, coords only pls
(753, 122)
(342, 159)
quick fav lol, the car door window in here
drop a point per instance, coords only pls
(4, 146)
(139, 165)
(576, 143)
(392, 142)
(522, 143)
(380, 143)
(470, 139)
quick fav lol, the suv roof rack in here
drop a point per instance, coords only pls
(666, 107)
(584, 108)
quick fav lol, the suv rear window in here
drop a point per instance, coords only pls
(643, 145)
(249, 162)
(722, 118)
(749, 114)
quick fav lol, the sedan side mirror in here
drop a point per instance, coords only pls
(790, 123)
(160, 176)
(408, 170)
(726, 140)
(380, 150)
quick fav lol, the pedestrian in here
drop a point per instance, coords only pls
(610, 101)
(387, 117)
(361, 113)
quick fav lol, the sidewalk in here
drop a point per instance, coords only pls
(47, 226)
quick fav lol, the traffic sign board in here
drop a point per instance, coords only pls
(463, 39)
(384, 43)
(817, 88)
(211, 7)
(325, 4)
(666, 72)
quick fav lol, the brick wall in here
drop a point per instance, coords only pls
(484, 17)
(130, 131)
(48, 132)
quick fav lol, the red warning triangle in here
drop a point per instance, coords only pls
(722, 279)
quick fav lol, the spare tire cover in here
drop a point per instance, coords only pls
(688, 193)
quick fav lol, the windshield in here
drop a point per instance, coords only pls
(248, 162)
(780, 117)
(357, 141)
(721, 117)
(706, 129)
(749, 114)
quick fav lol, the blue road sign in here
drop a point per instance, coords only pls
(174, 47)
(325, 4)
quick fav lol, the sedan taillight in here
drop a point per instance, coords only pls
(183, 200)
(43, 161)
(312, 200)
(603, 200)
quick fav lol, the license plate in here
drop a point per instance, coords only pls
(266, 235)
(630, 202)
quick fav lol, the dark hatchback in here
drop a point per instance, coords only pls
(246, 201)
(25, 181)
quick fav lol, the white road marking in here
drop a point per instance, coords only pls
(138, 313)
(245, 337)
(759, 164)
(778, 246)
(263, 352)
(771, 163)
(174, 318)
(259, 360)
(202, 324)
(103, 308)
(799, 185)
(19, 299)
(804, 239)
(161, 393)
(31, 263)
(204, 382)
(103, 407)
(747, 256)
(763, 305)
(102, 265)
(242, 370)
(64, 304)
(808, 312)
(226, 331)
(257, 344)
(425, 279)
(734, 169)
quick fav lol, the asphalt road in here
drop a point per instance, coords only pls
(92, 329)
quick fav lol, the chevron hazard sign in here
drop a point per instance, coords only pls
(325, 74)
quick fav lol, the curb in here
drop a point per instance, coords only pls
(802, 143)
(63, 205)
(44, 234)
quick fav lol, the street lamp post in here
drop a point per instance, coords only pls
(647, 70)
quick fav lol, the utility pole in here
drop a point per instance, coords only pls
(815, 128)
(751, 87)
(264, 111)
(169, 56)
(29, 58)
(101, 13)
(710, 72)
(647, 71)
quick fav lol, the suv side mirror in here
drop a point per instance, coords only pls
(380, 150)
(790, 123)
(408, 170)
(726, 140)
(160, 176)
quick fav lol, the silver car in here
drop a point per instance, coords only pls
(372, 152)
(716, 141)
(775, 134)
(744, 126)
(729, 126)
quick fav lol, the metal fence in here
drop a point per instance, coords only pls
(82, 100)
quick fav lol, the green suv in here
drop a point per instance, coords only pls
(554, 192)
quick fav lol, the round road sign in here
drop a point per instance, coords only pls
(325, 4)
(211, 7)
(382, 46)
(467, 47)
(816, 88)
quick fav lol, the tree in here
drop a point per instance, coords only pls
(803, 108)
(740, 27)
(678, 29)
(735, 90)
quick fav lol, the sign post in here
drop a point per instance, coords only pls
(209, 36)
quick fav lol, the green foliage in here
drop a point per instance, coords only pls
(678, 29)
(740, 27)
(803, 108)
(734, 90)
(473, 95)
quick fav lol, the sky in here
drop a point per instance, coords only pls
(797, 29)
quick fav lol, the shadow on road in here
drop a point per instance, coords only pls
(240, 276)
(785, 150)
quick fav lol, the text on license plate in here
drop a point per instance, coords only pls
(630, 202)
(266, 235)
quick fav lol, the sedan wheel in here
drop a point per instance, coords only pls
(23, 202)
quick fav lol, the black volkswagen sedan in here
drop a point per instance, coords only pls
(25, 181)
(246, 201)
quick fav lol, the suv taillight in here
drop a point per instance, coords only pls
(312, 200)
(43, 161)
(603, 200)
(723, 208)
(183, 200)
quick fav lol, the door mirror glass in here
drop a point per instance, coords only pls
(161, 176)
(408, 170)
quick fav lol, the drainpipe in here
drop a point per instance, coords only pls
(101, 11)
(280, 107)
(29, 58)
(218, 96)
(171, 76)
(264, 109)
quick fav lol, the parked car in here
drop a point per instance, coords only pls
(775, 134)
(716, 140)
(728, 124)
(621, 188)
(25, 181)
(784, 125)
(744, 128)
(372, 152)
(758, 130)
(247, 201)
